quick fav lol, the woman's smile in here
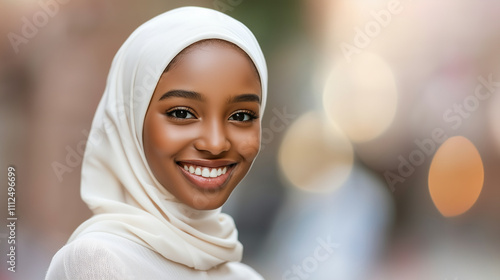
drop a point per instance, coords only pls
(207, 178)
(207, 174)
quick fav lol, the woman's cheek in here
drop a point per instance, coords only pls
(175, 137)
(249, 144)
(166, 137)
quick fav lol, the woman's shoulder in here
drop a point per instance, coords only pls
(88, 257)
(108, 256)
(239, 271)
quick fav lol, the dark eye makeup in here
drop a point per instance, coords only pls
(181, 113)
(185, 113)
(243, 116)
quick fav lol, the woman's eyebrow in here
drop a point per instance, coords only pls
(246, 97)
(181, 93)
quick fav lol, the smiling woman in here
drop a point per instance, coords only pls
(196, 134)
(178, 128)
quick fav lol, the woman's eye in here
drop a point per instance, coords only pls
(181, 114)
(242, 117)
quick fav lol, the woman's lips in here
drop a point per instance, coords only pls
(206, 177)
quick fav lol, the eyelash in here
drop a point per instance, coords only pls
(252, 115)
(170, 113)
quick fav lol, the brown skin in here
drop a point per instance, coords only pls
(178, 129)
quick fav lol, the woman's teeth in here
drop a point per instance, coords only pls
(205, 171)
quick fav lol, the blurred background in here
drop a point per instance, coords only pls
(380, 145)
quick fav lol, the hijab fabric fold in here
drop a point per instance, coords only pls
(117, 183)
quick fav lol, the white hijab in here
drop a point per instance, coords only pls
(117, 183)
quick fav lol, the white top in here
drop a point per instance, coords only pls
(106, 256)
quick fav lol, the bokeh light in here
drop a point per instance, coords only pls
(456, 176)
(315, 155)
(361, 96)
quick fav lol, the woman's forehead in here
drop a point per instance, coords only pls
(207, 45)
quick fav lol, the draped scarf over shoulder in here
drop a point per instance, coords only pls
(117, 183)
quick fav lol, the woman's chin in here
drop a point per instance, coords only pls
(206, 203)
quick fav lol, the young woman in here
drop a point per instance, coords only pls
(177, 129)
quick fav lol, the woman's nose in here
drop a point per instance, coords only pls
(213, 138)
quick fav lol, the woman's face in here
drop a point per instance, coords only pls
(202, 129)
